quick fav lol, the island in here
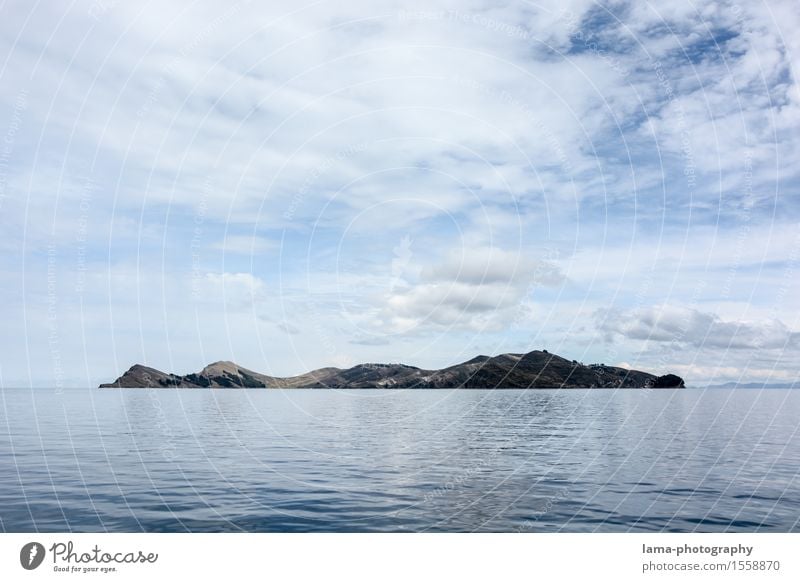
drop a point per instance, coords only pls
(538, 369)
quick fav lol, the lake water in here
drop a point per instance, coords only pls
(255, 460)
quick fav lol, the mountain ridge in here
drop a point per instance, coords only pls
(535, 369)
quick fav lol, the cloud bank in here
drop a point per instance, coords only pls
(296, 184)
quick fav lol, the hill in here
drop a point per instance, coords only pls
(536, 369)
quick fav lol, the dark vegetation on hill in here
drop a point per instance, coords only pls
(536, 369)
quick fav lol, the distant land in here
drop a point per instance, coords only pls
(753, 385)
(536, 369)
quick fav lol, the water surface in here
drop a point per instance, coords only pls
(422, 460)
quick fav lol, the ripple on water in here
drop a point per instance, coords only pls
(400, 461)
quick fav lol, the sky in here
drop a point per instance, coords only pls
(291, 185)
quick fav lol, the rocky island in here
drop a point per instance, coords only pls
(536, 369)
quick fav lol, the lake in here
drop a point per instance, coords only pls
(90, 460)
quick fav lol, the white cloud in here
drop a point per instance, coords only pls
(240, 291)
(245, 245)
(342, 129)
(686, 326)
(478, 289)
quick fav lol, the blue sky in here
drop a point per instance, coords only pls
(295, 185)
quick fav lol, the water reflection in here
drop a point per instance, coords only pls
(213, 460)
